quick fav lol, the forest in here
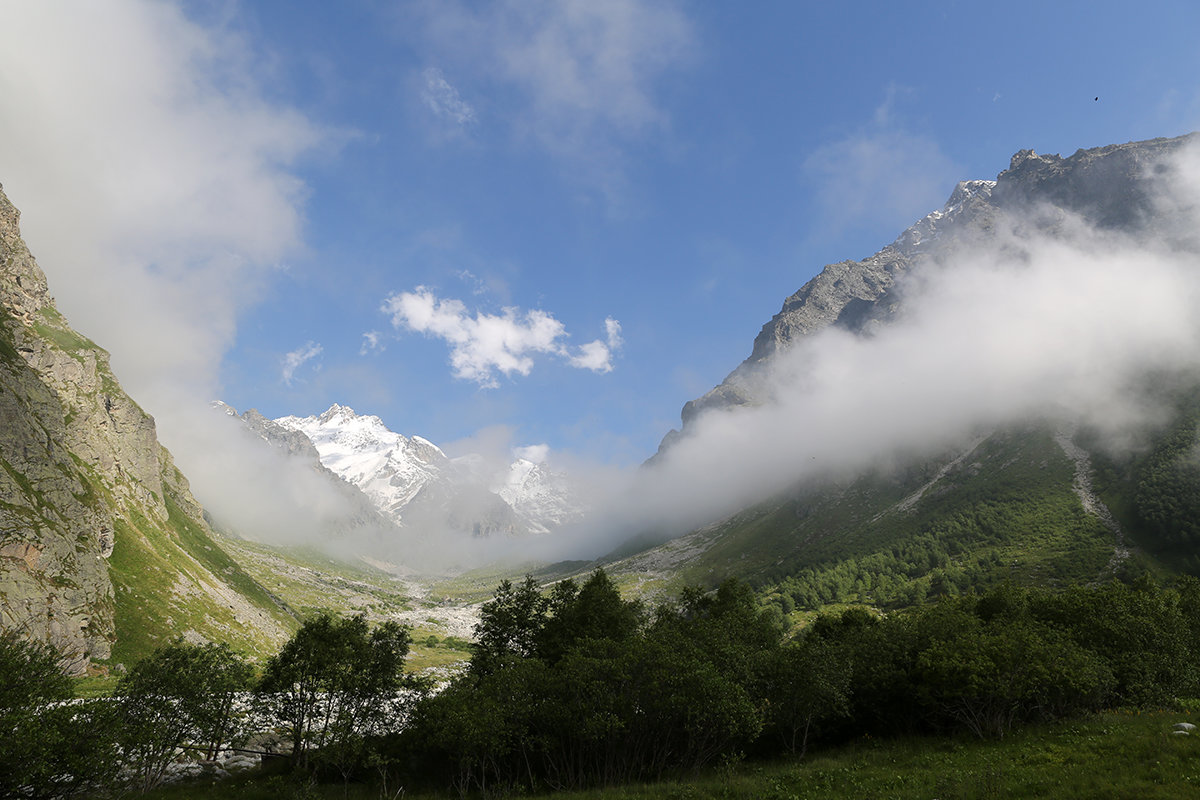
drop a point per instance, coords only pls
(576, 687)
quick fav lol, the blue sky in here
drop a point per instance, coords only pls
(445, 177)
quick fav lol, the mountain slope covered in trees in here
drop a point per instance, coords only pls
(1045, 495)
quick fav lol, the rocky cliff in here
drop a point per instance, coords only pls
(1108, 187)
(103, 549)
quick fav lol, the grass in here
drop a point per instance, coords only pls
(91, 686)
(1106, 757)
(154, 570)
(205, 550)
(307, 579)
(65, 339)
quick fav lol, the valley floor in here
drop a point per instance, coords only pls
(1116, 754)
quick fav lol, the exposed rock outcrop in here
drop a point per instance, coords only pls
(80, 468)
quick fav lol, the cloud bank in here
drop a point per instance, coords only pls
(482, 344)
(154, 176)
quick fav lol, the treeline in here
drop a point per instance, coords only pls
(331, 692)
(576, 687)
(579, 687)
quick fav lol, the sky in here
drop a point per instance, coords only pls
(561, 220)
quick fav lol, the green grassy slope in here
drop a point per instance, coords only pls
(1004, 511)
(163, 579)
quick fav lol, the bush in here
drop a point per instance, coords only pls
(49, 746)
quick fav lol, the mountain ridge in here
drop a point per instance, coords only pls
(857, 294)
(1042, 499)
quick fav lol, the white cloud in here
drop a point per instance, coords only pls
(482, 343)
(880, 175)
(586, 64)
(372, 342)
(537, 453)
(597, 355)
(298, 358)
(585, 75)
(444, 101)
(156, 184)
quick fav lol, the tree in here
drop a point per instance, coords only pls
(987, 676)
(509, 624)
(49, 745)
(181, 695)
(480, 729)
(1140, 631)
(807, 681)
(336, 682)
(593, 611)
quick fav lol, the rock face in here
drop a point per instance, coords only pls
(1109, 187)
(79, 462)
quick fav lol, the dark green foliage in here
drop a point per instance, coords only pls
(49, 746)
(986, 675)
(1155, 492)
(475, 733)
(578, 688)
(1141, 631)
(582, 688)
(520, 621)
(336, 683)
(181, 695)
(509, 625)
(593, 611)
(805, 683)
(1007, 512)
(1168, 486)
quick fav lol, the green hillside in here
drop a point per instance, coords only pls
(1004, 508)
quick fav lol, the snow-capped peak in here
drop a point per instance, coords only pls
(926, 229)
(392, 470)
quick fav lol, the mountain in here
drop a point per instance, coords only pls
(1038, 500)
(539, 495)
(339, 508)
(104, 553)
(414, 483)
(1110, 188)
